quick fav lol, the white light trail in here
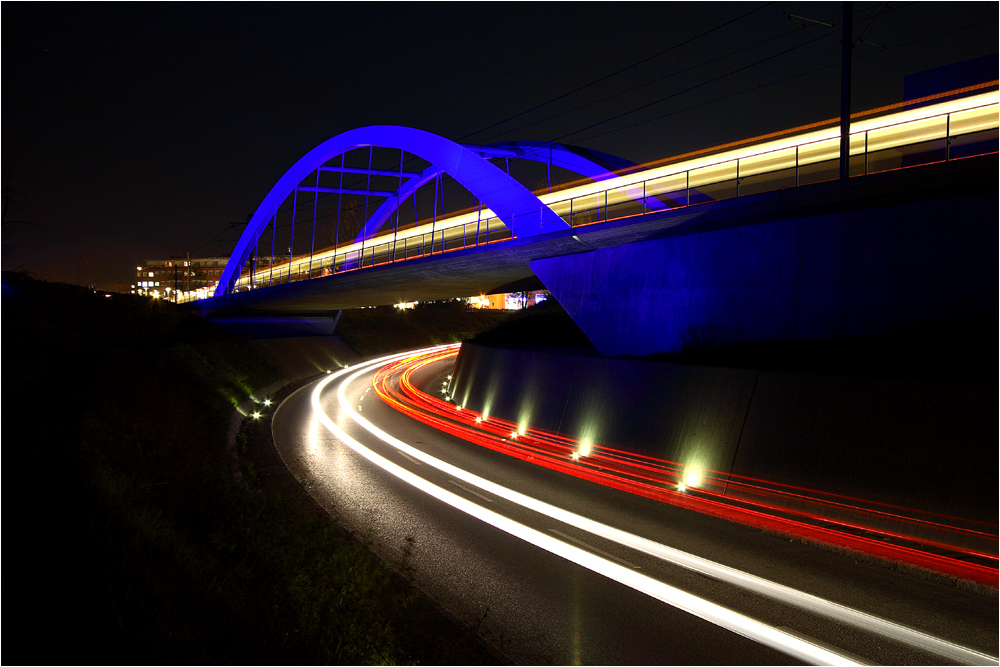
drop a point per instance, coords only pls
(716, 614)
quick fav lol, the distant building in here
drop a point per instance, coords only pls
(166, 277)
(511, 301)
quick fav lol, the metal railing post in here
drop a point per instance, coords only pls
(866, 152)
(947, 138)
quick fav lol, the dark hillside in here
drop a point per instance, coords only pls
(137, 537)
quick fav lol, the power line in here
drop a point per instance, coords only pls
(651, 82)
(787, 79)
(689, 89)
(865, 15)
(620, 71)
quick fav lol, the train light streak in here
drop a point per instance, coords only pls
(795, 149)
(755, 584)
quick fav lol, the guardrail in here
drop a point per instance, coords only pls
(926, 140)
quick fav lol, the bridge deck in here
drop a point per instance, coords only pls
(505, 266)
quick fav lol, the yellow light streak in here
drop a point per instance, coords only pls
(970, 114)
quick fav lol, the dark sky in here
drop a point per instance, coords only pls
(134, 131)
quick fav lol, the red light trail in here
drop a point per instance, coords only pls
(836, 520)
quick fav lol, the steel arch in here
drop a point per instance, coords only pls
(592, 164)
(519, 209)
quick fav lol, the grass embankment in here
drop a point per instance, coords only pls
(130, 536)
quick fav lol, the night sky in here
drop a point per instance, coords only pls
(140, 131)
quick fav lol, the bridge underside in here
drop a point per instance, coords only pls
(607, 306)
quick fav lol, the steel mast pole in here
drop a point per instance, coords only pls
(847, 39)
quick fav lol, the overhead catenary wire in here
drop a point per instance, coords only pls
(650, 82)
(865, 14)
(625, 69)
(868, 15)
(618, 72)
(690, 88)
(833, 64)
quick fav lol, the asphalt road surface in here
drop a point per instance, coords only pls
(550, 568)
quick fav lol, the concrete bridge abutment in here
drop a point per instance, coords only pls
(825, 263)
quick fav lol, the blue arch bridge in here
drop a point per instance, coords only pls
(756, 240)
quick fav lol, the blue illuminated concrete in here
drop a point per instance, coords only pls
(520, 210)
(592, 164)
(821, 261)
(847, 273)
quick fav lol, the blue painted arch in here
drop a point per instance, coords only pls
(519, 209)
(592, 164)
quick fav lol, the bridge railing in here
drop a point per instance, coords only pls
(882, 147)
(938, 138)
(402, 247)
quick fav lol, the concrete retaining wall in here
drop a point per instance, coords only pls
(931, 447)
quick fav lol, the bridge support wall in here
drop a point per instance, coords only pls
(928, 446)
(824, 276)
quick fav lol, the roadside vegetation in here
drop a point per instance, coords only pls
(135, 536)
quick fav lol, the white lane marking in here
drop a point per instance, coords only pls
(468, 490)
(590, 547)
(704, 609)
(759, 585)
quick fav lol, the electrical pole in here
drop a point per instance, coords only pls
(846, 42)
(846, 46)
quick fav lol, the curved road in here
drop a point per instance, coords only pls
(550, 568)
